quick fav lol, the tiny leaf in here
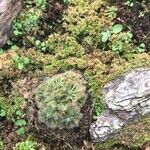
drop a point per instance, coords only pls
(117, 28)
(20, 66)
(20, 122)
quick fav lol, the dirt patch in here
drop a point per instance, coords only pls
(52, 18)
(138, 17)
(59, 139)
(5, 87)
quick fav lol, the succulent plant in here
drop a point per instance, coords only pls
(60, 100)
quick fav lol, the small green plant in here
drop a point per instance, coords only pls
(105, 36)
(111, 11)
(1, 51)
(2, 113)
(60, 99)
(129, 3)
(117, 28)
(20, 62)
(67, 1)
(28, 22)
(28, 144)
(119, 44)
(20, 122)
(140, 49)
(40, 45)
(9, 106)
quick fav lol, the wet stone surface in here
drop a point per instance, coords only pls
(126, 98)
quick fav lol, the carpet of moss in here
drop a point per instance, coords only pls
(76, 45)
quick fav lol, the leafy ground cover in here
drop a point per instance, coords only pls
(100, 39)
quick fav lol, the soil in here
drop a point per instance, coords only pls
(58, 139)
(52, 18)
(130, 16)
(52, 139)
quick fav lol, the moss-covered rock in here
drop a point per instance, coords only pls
(134, 136)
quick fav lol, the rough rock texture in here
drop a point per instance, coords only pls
(8, 11)
(126, 98)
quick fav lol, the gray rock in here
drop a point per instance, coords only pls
(126, 98)
(8, 11)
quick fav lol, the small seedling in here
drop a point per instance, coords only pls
(111, 11)
(66, 1)
(105, 36)
(2, 113)
(117, 28)
(140, 49)
(28, 144)
(20, 62)
(20, 122)
(129, 3)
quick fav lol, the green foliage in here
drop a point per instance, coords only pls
(20, 62)
(20, 131)
(26, 145)
(12, 110)
(60, 99)
(19, 121)
(140, 49)
(121, 42)
(105, 36)
(40, 4)
(8, 106)
(129, 3)
(28, 22)
(85, 24)
(117, 28)
(2, 113)
(64, 46)
(111, 11)
(67, 1)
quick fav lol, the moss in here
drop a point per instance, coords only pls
(63, 46)
(11, 105)
(28, 22)
(98, 67)
(108, 145)
(85, 23)
(134, 136)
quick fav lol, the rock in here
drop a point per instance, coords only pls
(147, 148)
(126, 98)
(8, 11)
